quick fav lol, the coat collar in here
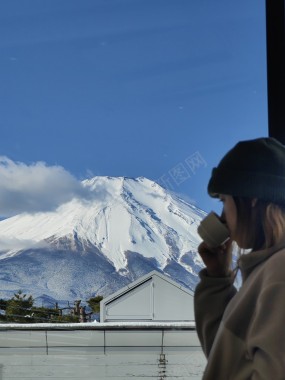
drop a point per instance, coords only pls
(249, 261)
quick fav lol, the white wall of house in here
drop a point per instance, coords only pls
(153, 297)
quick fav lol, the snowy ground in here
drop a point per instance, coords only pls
(119, 365)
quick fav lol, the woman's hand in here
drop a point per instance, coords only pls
(217, 260)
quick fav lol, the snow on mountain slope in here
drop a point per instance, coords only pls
(123, 228)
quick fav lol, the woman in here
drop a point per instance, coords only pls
(243, 333)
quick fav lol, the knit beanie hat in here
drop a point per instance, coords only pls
(253, 169)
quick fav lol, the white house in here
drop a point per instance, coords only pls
(153, 297)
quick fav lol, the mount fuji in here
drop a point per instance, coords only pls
(121, 229)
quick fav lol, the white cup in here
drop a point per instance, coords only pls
(213, 232)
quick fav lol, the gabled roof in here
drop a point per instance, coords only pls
(142, 280)
(153, 297)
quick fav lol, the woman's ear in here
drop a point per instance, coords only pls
(253, 202)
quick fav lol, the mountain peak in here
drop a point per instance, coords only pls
(126, 224)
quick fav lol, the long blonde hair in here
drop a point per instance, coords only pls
(261, 225)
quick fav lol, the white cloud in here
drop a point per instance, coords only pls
(7, 244)
(35, 187)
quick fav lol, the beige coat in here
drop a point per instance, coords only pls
(243, 333)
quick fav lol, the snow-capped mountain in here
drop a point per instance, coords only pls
(120, 230)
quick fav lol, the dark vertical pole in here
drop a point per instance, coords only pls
(275, 35)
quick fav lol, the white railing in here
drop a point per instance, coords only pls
(140, 350)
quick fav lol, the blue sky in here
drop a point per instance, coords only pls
(128, 88)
